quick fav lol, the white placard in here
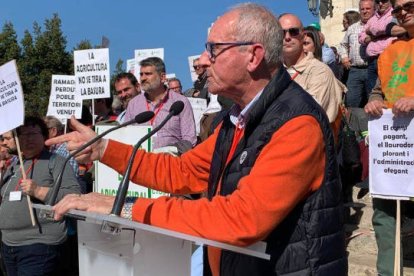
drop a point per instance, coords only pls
(11, 97)
(141, 54)
(64, 101)
(199, 107)
(391, 151)
(191, 59)
(130, 65)
(107, 179)
(92, 73)
(170, 76)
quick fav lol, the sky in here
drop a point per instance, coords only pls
(180, 27)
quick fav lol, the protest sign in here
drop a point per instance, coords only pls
(130, 65)
(391, 151)
(199, 106)
(11, 97)
(92, 73)
(107, 179)
(64, 101)
(141, 54)
(170, 76)
(191, 59)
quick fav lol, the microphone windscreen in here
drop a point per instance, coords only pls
(144, 117)
(177, 107)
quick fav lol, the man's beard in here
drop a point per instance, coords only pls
(12, 151)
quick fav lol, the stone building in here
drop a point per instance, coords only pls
(330, 16)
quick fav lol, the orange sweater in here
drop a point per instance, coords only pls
(288, 169)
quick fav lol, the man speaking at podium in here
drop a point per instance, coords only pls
(269, 169)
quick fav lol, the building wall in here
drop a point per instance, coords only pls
(332, 26)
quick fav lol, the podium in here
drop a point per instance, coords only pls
(138, 249)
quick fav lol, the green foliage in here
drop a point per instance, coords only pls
(118, 70)
(9, 47)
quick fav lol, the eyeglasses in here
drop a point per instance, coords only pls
(196, 67)
(177, 88)
(210, 47)
(292, 32)
(407, 7)
(381, 1)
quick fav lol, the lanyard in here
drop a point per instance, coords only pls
(27, 172)
(157, 110)
(295, 75)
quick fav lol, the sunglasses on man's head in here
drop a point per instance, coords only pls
(407, 7)
(292, 31)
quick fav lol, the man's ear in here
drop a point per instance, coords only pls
(257, 54)
(163, 77)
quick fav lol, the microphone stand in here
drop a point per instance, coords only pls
(139, 119)
(113, 228)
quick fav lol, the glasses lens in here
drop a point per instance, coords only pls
(196, 67)
(208, 49)
(292, 31)
(396, 11)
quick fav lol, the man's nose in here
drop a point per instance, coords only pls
(204, 60)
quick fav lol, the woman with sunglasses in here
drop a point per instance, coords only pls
(395, 90)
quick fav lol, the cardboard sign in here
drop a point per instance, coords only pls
(107, 179)
(391, 151)
(199, 107)
(141, 54)
(64, 101)
(92, 73)
(11, 97)
(191, 59)
(130, 65)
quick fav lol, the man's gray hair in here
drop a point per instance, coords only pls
(52, 121)
(257, 24)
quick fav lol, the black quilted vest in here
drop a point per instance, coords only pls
(311, 240)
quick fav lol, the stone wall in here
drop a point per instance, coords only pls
(332, 26)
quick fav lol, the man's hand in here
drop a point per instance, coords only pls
(77, 138)
(403, 106)
(30, 188)
(374, 108)
(92, 202)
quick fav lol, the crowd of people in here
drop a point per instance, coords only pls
(268, 82)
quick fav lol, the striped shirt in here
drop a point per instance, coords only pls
(350, 46)
(377, 26)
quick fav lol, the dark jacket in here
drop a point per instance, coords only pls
(311, 240)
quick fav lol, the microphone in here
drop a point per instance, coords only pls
(139, 119)
(175, 109)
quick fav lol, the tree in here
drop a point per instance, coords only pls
(9, 47)
(44, 54)
(118, 70)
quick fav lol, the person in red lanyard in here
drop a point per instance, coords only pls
(309, 72)
(27, 249)
(269, 169)
(180, 130)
